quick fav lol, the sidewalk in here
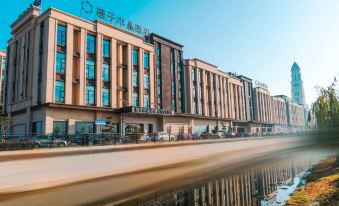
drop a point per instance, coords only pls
(55, 152)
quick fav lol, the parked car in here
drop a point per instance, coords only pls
(164, 136)
(206, 135)
(184, 136)
(48, 141)
(86, 139)
(144, 138)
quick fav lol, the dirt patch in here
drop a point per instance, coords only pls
(322, 186)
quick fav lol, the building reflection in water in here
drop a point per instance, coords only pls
(255, 186)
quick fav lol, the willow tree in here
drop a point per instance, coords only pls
(326, 107)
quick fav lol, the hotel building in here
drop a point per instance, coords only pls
(263, 116)
(69, 75)
(66, 72)
(216, 97)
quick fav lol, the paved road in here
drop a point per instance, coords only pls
(93, 178)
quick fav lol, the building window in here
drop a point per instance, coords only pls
(37, 127)
(135, 77)
(90, 95)
(60, 127)
(180, 83)
(158, 75)
(106, 48)
(146, 81)
(135, 57)
(105, 72)
(90, 44)
(194, 95)
(105, 97)
(194, 91)
(146, 99)
(135, 99)
(60, 91)
(61, 37)
(173, 85)
(84, 127)
(146, 60)
(60, 63)
(90, 69)
(158, 49)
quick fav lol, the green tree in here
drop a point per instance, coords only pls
(5, 123)
(326, 107)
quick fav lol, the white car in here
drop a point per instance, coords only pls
(145, 138)
(164, 136)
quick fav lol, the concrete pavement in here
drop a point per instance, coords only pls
(40, 173)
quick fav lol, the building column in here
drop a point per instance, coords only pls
(203, 93)
(47, 92)
(98, 68)
(71, 126)
(212, 113)
(82, 72)
(216, 97)
(197, 81)
(222, 97)
(129, 75)
(141, 77)
(48, 124)
(69, 65)
(151, 74)
(119, 76)
(113, 68)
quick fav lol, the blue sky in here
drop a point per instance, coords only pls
(257, 38)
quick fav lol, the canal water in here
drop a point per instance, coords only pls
(266, 183)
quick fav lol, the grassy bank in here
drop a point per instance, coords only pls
(322, 186)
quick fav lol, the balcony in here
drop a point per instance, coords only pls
(20, 105)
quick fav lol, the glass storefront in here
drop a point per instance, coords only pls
(84, 127)
(60, 127)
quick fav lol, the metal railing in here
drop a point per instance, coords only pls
(31, 141)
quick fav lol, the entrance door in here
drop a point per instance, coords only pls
(150, 128)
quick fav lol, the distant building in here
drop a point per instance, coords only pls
(297, 88)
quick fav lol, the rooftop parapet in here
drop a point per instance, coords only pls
(29, 14)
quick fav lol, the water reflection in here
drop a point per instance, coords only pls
(262, 185)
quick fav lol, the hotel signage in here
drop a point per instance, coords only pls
(152, 111)
(99, 121)
(113, 19)
(144, 110)
(260, 84)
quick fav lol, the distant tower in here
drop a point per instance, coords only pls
(298, 94)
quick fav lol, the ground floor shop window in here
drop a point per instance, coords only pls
(200, 128)
(37, 127)
(60, 127)
(134, 128)
(84, 127)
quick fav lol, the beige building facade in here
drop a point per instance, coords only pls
(79, 72)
